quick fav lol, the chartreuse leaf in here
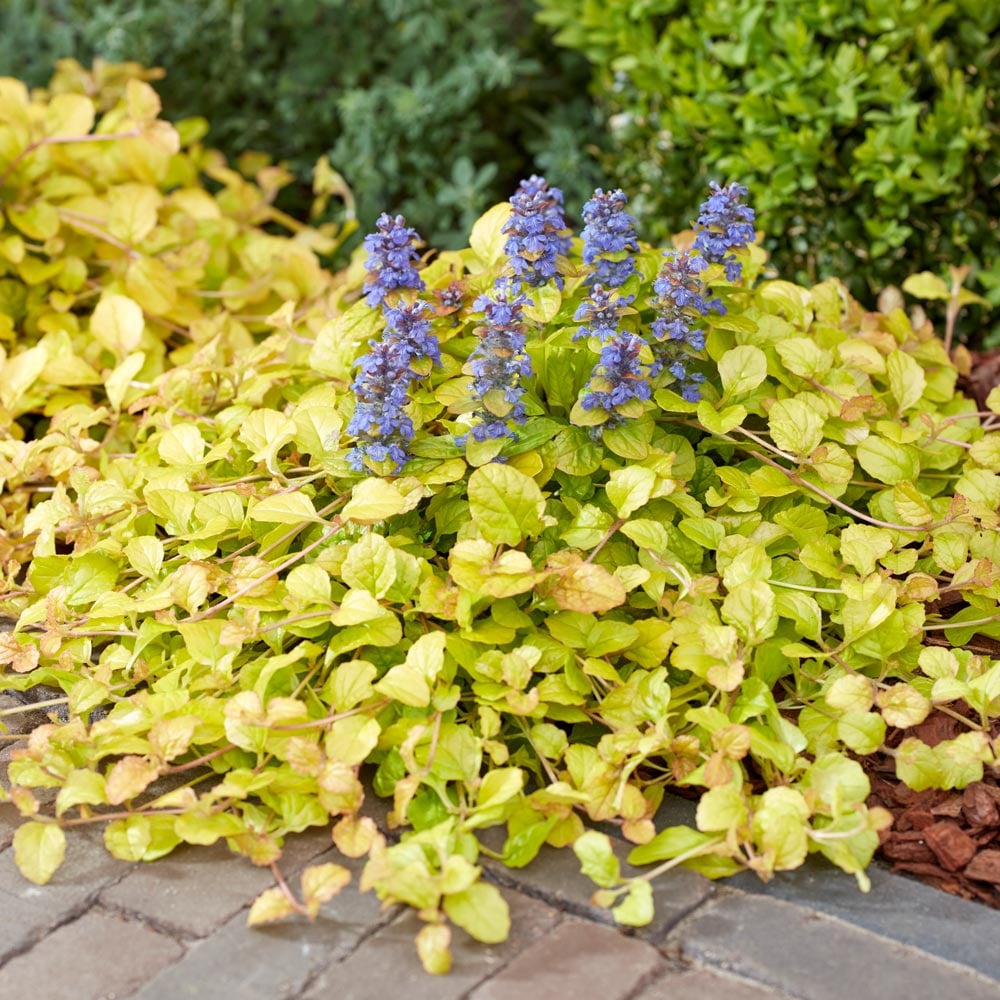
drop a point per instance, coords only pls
(505, 504)
(629, 489)
(597, 859)
(39, 849)
(742, 369)
(373, 500)
(795, 426)
(480, 911)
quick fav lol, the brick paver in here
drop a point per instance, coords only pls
(578, 959)
(99, 955)
(707, 984)
(809, 955)
(28, 912)
(388, 958)
(275, 962)
(195, 890)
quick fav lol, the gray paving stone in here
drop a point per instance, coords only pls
(816, 957)
(901, 908)
(578, 959)
(94, 957)
(274, 962)
(706, 984)
(28, 911)
(555, 877)
(10, 820)
(194, 890)
(389, 959)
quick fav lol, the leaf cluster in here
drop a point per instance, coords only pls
(866, 130)
(741, 596)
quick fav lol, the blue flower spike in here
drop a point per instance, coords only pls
(609, 239)
(536, 233)
(392, 254)
(500, 362)
(724, 224)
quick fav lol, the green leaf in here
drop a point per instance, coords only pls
(117, 323)
(284, 508)
(487, 238)
(499, 786)
(742, 369)
(721, 809)
(373, 500)
(720, 421)
(906, 379)
(887, 461)
(630, 488)
(597, 859)
(506, 505)
(795, 426)
(670, 843)
(862, 732)
(39, 849)
(636, 909)
(780, 826)
(434, 949)
(926, 285)
(370, 565)
(480, 911)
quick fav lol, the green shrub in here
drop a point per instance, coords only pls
(867, 130)
(739, 595)
(435, 108)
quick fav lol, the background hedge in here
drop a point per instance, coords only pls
(867, 131)
(435, 108)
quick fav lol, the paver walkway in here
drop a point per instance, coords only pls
(176, 929)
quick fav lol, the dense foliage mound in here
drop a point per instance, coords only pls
(867, 131)
(390, 90)
(585, 522)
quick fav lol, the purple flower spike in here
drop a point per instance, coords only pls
(609, 232)
(601, 311)
(619, 377)
(682, 300)
(536, 233)
(382, 386)
(391, 253)
(725, 224)
(499, 362)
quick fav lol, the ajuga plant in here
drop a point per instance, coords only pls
(514, 539)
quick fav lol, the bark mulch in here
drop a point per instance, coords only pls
(949, 839)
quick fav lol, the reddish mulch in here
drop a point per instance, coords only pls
(949, 839)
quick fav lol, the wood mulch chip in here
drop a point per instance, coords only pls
(949, 839)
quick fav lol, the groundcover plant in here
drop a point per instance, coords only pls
(535, 530)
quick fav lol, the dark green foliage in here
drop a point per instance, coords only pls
(434, 108)
(868, 131)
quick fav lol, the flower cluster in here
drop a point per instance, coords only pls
(391, 253)
(724, 224)
(682, 299)
(536, 233)
(499, 361)
(601, 312)
(382, 386)
(609, 239)
(619, 377)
